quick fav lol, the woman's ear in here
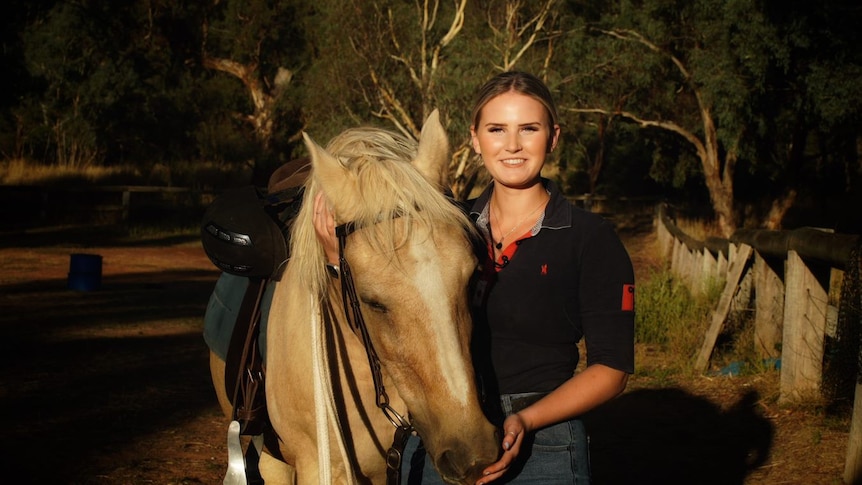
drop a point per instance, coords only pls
(555, 138)
(475, 141)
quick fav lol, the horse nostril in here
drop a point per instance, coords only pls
(446, 465)
(455, 469)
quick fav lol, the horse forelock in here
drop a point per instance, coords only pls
(388, 193)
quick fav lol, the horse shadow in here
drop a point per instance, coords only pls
(668, 436)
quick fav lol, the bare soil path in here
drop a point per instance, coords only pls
(112, 386)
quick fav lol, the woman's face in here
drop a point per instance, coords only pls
(513, 137)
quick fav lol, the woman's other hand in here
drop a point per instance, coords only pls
(515, 429)
(324, 226)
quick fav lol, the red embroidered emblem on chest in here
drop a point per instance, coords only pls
(544, 269)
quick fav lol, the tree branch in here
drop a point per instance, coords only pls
(511, 33)
(644, 123)
(634, 36)
(455, 26)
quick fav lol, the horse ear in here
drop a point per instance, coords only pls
(325, 168)
(433, 157)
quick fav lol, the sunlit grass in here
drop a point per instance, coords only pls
(199, 174)
(670, 316)
(698, 228)
(141, 232)
(21, 172)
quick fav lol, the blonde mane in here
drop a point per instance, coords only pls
(390, 192)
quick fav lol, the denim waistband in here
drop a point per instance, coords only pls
(513, 403)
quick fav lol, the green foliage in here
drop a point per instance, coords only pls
(98, 90)
(125, 83)
(670, 316)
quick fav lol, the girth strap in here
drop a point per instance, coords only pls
(244, 374)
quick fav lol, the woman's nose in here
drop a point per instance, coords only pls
(513, 142)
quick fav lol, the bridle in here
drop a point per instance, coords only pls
(353, 313)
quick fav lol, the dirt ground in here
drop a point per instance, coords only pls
(112, 386)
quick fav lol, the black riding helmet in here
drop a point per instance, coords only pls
(243, 235)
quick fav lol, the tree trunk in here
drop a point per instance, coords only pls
(718, 175)
(779, 209)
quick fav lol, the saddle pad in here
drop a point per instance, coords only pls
(223, 309)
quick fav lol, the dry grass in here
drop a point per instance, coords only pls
(22, 172)
(698, 228)
(203, 174)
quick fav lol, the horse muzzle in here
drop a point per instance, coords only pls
(462, 462)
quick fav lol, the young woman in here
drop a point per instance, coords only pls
(551, 274)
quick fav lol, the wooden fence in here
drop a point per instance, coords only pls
(27, 206)
(793, 281)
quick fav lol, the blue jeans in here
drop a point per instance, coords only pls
(558, 454)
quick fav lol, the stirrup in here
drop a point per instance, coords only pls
(242, 467)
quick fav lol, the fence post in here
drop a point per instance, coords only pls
(742, 299)
(853, 461)
(127, 200)
(769, 308)
(665, 240)
(804, 325)
(738, 263)
(708, 271)
(676, 256)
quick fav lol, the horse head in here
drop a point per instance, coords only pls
(411, 259)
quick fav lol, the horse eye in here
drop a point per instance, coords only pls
(376, 306)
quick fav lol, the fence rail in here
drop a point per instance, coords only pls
(795, 283)
(29, 205)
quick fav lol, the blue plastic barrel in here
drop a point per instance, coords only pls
(85, 272)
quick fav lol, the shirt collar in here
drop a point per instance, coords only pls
(558, 213)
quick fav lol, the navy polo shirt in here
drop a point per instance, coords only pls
(569, 278)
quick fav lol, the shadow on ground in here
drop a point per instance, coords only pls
(84, 373)
(668, 436)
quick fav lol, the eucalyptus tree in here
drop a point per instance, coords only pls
(261, 45)
(815, 121)
(394, 62)
(109, 83)
(78, 55)
(692, 69)
(383, 59)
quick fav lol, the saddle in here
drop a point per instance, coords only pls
(245, 232)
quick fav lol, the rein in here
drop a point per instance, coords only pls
(353, 313)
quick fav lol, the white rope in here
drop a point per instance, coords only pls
(324, 403)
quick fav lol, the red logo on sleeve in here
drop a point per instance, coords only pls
(628, 298)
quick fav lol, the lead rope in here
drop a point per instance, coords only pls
(353, 313)
(324, 408)
(324, 461)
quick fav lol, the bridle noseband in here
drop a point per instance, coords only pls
(353, 313)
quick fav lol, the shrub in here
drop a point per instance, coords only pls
(670, 316)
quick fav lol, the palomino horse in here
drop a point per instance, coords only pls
(408, 249)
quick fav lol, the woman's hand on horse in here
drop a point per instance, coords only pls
(515, 429)
(324, 226)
